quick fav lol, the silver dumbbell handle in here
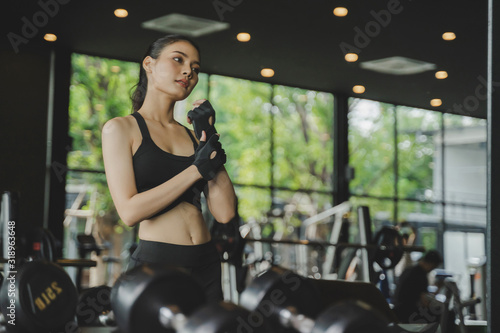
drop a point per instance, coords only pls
(290, 318)
(171, 317)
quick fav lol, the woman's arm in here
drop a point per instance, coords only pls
(135, 207)
(221, 199)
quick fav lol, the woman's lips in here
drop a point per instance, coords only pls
(182, 83)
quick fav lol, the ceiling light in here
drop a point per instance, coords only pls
(351, 57)
(267, 72)
(449, 36)
(50, 37)
(358, 89)
(340, 11)
(397, 66)
(243, 37)
(121, 13)
(436, 102)
(441, 75)
(115, 69)
(185, 25)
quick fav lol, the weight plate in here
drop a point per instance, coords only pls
(138, 295)
(43, 295)
(389, 250)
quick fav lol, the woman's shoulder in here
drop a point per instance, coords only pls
(119, 126)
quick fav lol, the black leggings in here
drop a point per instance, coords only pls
(201, 261)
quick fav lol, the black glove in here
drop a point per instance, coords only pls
(207, 166)
(199, 118)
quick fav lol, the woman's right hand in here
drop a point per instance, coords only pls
(209, 157)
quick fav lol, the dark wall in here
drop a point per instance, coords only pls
(24, 102)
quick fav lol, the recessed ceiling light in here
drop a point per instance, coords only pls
(340, 11)
(50, 37)
(436, 102)
(358, 89)
(449, 36)
(441, 75)
(267, 72)
(351, 57)
(243, 37)
(121, 13)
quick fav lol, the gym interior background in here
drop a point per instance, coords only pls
(388, 147)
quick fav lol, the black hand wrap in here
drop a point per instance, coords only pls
(207, 166)
(200, 119)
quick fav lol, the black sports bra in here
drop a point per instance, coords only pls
(154, 166)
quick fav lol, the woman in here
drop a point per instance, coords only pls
(156, 169)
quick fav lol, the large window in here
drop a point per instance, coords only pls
(425, 168)
(411, 165)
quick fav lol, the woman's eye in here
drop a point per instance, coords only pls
(196, 70)
(178, 59)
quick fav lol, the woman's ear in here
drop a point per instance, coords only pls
(147, 63)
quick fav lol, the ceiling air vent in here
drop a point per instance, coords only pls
(398, 66)
(184, 25)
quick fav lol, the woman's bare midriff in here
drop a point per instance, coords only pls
(183, 225)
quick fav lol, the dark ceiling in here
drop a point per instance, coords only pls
(300, 40)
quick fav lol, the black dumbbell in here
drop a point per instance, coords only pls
(38, 297)
(292, 304)
(158, 298)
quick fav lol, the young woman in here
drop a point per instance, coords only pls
(156, 169)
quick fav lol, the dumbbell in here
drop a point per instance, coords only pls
(39, 297)
(291, 302)
(158, 298)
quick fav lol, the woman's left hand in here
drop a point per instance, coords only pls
(195, 105)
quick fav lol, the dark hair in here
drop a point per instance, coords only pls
(154, 52)
(433, 257)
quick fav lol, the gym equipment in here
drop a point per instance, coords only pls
(389, 247)
(158, 298)
(91, 304)
(39, 297)
(291, 302)
(151, 298)
(393, 249)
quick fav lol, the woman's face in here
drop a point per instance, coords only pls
(175, 71)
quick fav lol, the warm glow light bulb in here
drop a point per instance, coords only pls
(267, 72)
(436, 102)
(340, 11)
(358, 89)
(121, 13)
(50, 37)
(449, 36)
(441, 75)
(351, 57)
(243, 37)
